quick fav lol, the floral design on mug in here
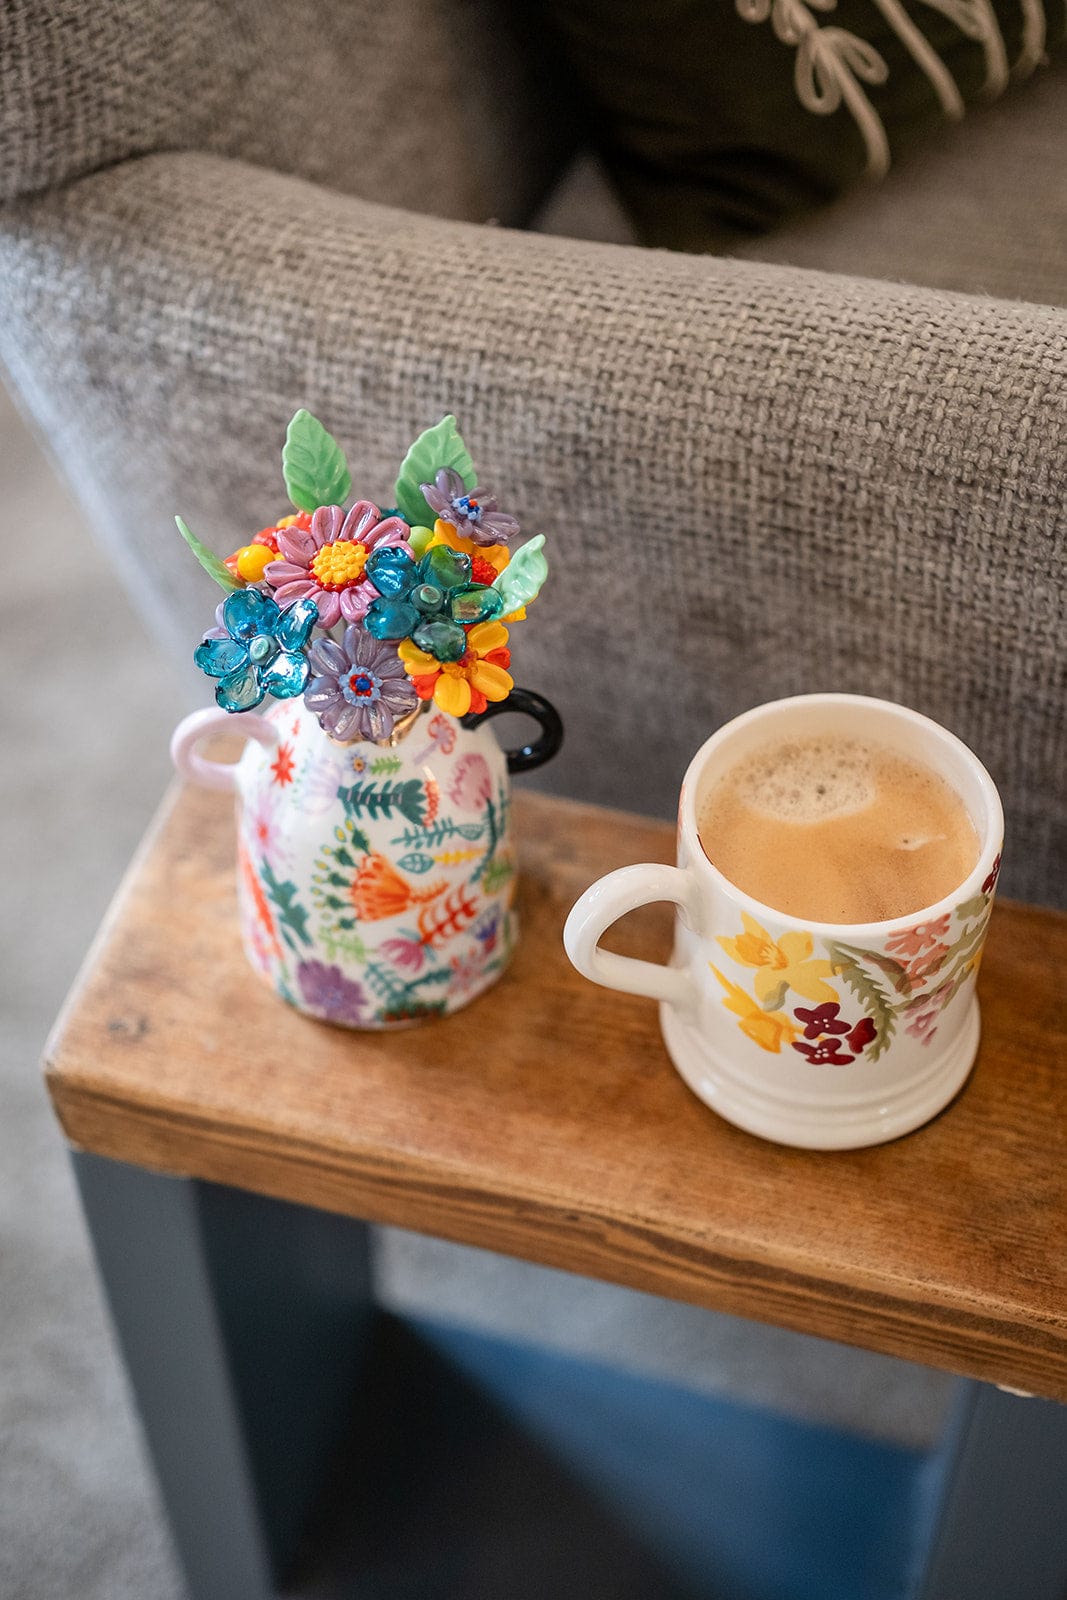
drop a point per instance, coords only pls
(909, 983)
(769, 1029)
(780, 964)
(825, 1026)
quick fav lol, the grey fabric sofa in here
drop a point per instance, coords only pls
(756, 476)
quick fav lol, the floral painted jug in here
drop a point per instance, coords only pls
(375, 882)
(376, 865)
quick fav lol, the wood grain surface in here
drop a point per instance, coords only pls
(547, 1122)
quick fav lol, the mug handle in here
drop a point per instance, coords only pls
(612, 897)
(198, 725)
(543, 749)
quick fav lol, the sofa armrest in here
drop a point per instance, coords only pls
(754, 480)
(446, 106)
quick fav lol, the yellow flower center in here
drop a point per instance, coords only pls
(339, 565)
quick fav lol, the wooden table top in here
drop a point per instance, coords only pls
(546, 1121)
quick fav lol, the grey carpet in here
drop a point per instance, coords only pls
(84, 762)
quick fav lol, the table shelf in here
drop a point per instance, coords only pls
(546, 1120)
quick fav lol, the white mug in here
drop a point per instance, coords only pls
(827, 1036)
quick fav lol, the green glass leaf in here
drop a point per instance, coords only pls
(419, 538)
(313, 465)
(521, 580)
(436, 448)
(208, 559)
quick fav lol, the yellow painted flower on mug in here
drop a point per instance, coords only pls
(769, 1029)
(480, 675)
(780, 964)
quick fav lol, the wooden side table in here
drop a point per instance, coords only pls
(230, 1153)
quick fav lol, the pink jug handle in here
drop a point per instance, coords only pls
(198, 725)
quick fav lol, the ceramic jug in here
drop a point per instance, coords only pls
(375, 881)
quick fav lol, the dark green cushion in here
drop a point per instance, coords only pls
(720, 118)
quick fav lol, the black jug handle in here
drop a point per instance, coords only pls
(533, 705)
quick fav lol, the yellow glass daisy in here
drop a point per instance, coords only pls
(466, 685)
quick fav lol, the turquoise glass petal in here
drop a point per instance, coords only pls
(444, 566)
(296, 624)
(240, 691)
(475, 604)
(219, 657)
(391, 619)
(246, 612)
(285, 676)
(446, 641)
(392, 571)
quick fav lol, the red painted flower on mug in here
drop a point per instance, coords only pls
(821, 1019)
(325, 562)
(827, 1052)
(863, 1034)
(989, 883)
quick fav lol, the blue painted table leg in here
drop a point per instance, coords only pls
(243, 1326)
(1001, 1529)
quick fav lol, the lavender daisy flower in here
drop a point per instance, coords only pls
(472, 512)
(359, 688)
(327, 991)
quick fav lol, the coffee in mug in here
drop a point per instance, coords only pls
(835, 829)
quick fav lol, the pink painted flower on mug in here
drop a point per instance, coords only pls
(467, 970)
(263, 827)
(406, 951)
(911, 942)
(927, 962)
(471, 784)
(326, 562)
(922, 1025)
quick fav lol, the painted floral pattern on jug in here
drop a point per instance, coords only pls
(376, 884)
(857, 998)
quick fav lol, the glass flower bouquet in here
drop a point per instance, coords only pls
(376, 871)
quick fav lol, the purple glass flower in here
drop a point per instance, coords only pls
(472, 512)
(359, 688)
(327, 991)
(326, 562)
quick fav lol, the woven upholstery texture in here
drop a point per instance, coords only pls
(446, 106)
(755, 480)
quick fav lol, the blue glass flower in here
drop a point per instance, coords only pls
(261, 651)
(432, 601)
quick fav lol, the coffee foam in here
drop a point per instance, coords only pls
(837, 830)
(810, 781)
